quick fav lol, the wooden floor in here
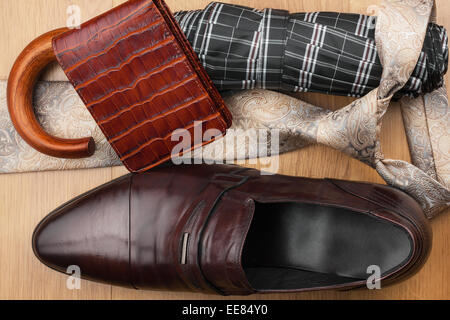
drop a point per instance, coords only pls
(26, 198)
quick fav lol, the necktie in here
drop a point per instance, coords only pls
(401, 28)
(355, 129)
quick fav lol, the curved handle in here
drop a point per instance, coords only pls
(24, 74)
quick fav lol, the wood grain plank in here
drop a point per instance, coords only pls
(21, 21)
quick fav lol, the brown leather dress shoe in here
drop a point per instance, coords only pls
(230, 230)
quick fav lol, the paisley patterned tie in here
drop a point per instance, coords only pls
(354, 129)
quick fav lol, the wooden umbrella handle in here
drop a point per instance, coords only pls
(22, 79)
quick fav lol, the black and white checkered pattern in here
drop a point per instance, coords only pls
(327, 52)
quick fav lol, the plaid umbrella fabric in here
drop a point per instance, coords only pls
(327, 52)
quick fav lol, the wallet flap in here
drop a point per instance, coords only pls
(140, 79)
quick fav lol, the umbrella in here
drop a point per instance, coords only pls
(326, 52)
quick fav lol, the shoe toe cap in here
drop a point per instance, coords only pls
(91, 233)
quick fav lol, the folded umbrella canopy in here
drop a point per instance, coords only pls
(327, 52)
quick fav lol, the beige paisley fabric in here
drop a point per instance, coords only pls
(353, 129)
(427, 124)
(399, 35)
(265, 123)
(62, 113)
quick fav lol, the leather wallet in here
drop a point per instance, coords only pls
(140, 79)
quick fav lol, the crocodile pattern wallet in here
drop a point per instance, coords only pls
(140, 79)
